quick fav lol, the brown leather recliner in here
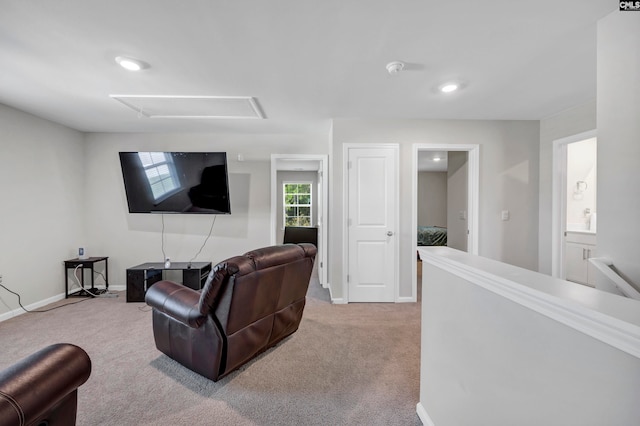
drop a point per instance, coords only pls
(43, 387)
(248, 304)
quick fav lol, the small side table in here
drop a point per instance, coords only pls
(84, 263)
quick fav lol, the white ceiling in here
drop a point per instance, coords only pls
(305, 61)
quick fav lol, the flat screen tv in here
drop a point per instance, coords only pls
(176, 182)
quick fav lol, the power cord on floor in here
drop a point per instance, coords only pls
(100, 293)
(40, 310)
(75, 275)
(106, 293)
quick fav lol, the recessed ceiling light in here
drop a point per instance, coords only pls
(449, 87)
(436, 158)
(131, 64)
(395, 67)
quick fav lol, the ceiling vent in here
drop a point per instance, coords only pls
(158, 106)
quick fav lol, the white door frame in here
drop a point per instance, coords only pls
(559, 199)
(323, 212)
(345, 213)
(473, 197)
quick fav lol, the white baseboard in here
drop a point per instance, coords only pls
(117, 287)
(31, 307)
(424, 417)
(111, 287)
(41, 303)
(336, 300)
(406, 300)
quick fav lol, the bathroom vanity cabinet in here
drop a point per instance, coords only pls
(579, 247)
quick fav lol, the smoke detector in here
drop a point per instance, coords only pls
(395, 67)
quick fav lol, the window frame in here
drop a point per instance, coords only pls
(298, 205)
(173, 174)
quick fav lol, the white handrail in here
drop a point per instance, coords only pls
(614, 280)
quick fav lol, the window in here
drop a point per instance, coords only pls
(161, 174)
(297, 204)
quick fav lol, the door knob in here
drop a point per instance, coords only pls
(389, 233)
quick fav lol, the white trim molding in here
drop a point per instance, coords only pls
(45, 302)
(31, 307)
(336, 300)
(423, 415)
(548, 296)
(605, 267)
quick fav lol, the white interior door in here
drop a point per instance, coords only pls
(372, 175)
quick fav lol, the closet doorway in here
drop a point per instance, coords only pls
(452, 213)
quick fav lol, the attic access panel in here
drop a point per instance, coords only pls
(158, 106)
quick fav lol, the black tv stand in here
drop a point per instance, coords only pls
(141, 277)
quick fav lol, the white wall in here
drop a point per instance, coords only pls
(432, 199)
(42, 180)
(619, 142)
(131, 239)
(508, 180)
(579, 119)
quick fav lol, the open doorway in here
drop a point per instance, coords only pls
(574, 206)
(445, 197)
(442, 199)
(305, 177)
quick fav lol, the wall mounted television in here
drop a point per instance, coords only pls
(176, 182)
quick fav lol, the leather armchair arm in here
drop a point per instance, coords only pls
(177, 301)
(34, 388)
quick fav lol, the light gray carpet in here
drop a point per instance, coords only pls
(355, 364)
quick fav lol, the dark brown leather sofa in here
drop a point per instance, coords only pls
(248, 304)
(42, 389)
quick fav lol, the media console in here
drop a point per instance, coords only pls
(141, 277)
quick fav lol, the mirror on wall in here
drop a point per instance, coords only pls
(581, 185)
